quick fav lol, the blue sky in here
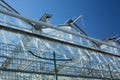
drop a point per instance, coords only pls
(101, 17)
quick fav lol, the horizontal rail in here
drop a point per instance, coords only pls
(55, 40)
(40, 23)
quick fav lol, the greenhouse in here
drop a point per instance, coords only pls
(37, 50)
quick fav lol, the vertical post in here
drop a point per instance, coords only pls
(55, 66)
(110, 72)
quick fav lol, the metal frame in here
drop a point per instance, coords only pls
(40, 36)
(40, 23)
(83, 75)
(55, 40)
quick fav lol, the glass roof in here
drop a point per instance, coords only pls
(89, 59)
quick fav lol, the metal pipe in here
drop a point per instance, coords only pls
(55, 66)
(77, 19)
(40, 23)
(111, 77)
(10, 7)
(48, 58)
